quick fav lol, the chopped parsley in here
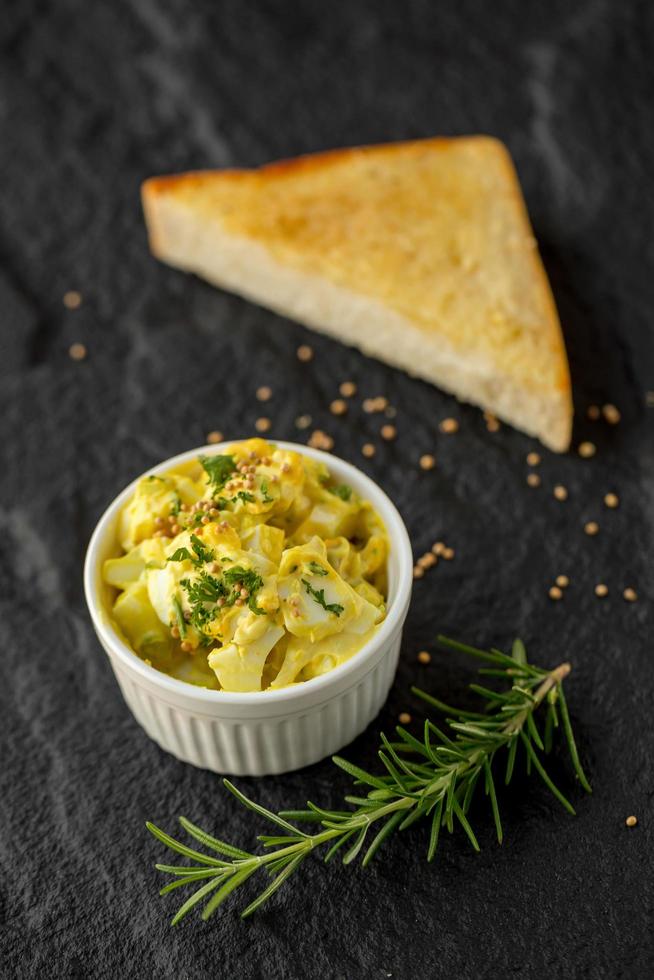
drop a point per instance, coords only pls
(247, 498)
(205, 592)
(318, 595)
(317, 569)
(265, 496)
(176, 506)
(201, 554)
(206, 588)
(179, 616)
(244, 578)
(342, 490)
(219, 469)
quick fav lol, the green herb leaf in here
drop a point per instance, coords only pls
(218, 468)
(179, 616)
(265, 496)
(317, 569)
(432, 779)
(247, 498)
(181, 554)
(342, 491)
(318, 595)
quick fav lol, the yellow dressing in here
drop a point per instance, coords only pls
(248, 570)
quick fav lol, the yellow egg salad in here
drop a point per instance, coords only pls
(248, 570)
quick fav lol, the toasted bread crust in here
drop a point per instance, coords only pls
(339, 216)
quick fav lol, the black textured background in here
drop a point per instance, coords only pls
(95, 97)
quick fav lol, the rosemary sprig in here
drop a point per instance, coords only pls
(431, 778)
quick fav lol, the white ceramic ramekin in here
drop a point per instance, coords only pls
(268, 731)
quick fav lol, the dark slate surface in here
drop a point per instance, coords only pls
(90, 104)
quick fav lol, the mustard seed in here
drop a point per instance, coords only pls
(304, 353)
(560, 492)
(611, 500)
(449, 426)
(263, 424)
(388, 432)
(214, 436)
(601, 590)
(630, 594)
(533, 479)
(347, 389)
(591, 528)
(427, 461)
(72, 299)
(611, 414)
(533, 459)
(338, 407)
(264, 393)
(368, 450)
(424, 657)
(77, 352)
(586, 449)
(404, 718)
(555, 593)
(631, 821)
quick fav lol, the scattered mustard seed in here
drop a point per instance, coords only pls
(321, 440)
(264, 393)
(448, 554)
(586, 449)
(591, 528)
(630, 594)
(424, 657)
(263, 424)
(418, 572)
(560, 492)
(377, 404)
(555, 593)
(492, 424)
(186, 646)
(562, 581)
(449, 426)
(601, 590)
(631, 821)
(390, 412)
(611, 500)
(388, 432)
(338, 407)
(368, 450)
(533, 459)
(304, 353)
(438, 547)
(611, 414)
(72, 299)
(404, 718)
(428, 560)
(214, 436)
(77, 352)
(347, 389)
(533, 479)
(427, 461)
(593, 412)
(303, 421)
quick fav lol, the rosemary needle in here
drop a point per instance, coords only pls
(431, 778)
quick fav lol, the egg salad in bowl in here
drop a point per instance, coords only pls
(247, 570)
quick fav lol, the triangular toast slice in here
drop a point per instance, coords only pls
(418, 253)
